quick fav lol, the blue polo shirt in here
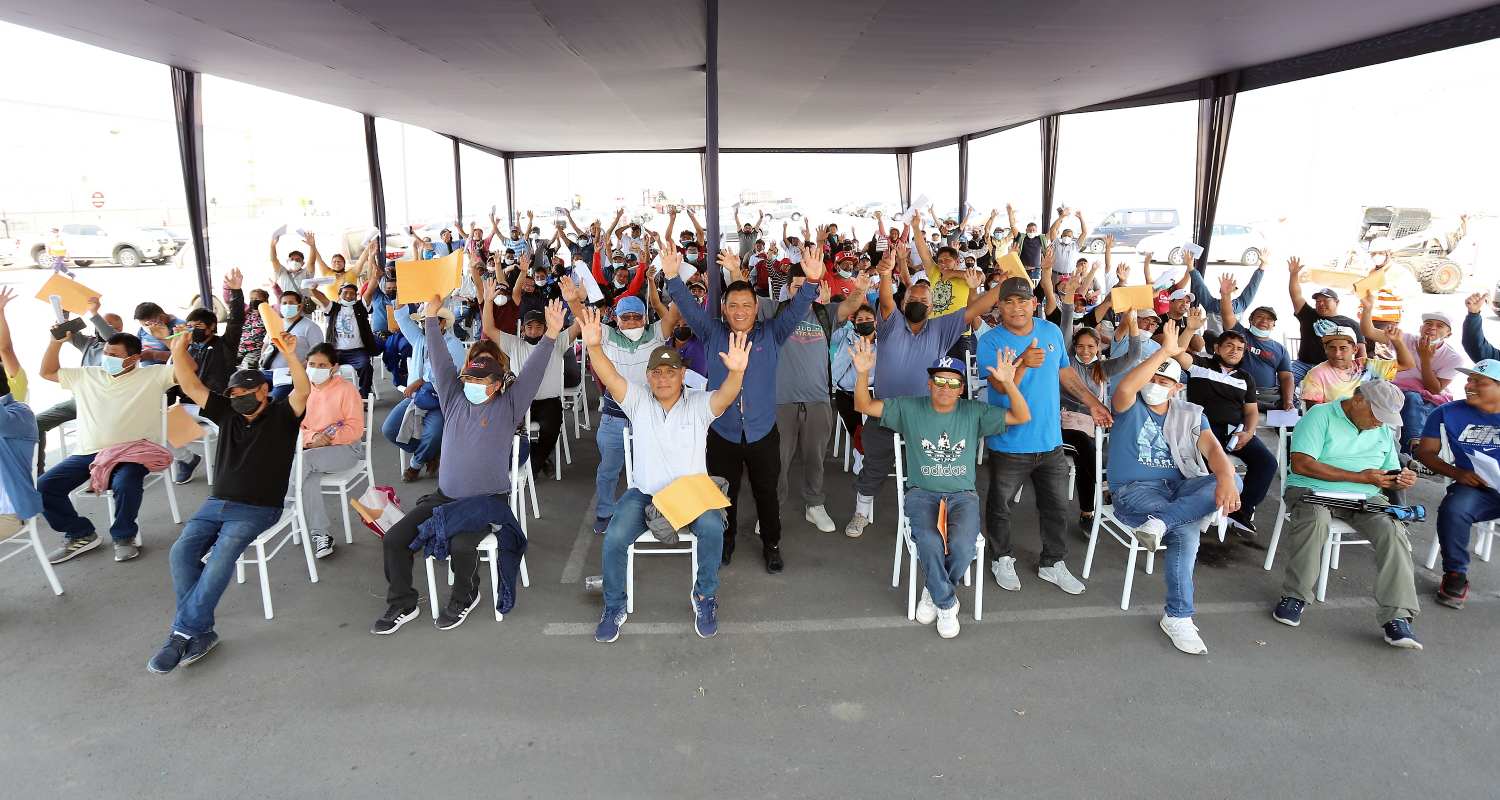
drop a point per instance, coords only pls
(1039, 385)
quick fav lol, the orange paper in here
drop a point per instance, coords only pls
(390, 319)
(686, 498)
(1332, 278)
(1127, 298)
(1010, 265)
(273, 322)
(1370, 283)
(942, 523)
(182, 427)
(75, 296)
(418, 281)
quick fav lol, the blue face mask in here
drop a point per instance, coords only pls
(114, 365)
(476, 393)
(1264, 333)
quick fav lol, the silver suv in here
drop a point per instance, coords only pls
(128, 247)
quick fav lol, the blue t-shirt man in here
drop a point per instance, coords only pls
(1039, 385)
(1264, 358)
(1468, 430)
(1138, 447)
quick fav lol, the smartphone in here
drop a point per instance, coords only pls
(1393, 472)
(61, 330)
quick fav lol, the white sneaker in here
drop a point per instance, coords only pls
(818, 516)
(1004, 570)
(947, 621)
(1184, 635)
(856, 526)
(1149, 533)
(322, 544)
(926, 611)
(1058, 575)
(859, 462)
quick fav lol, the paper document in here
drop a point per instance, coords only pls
(1277, 418)
(693, 380)
(75, 296)
(1193, 248)
(271, 317)
(686, 498)
(1486, 468)
(584, 277)
(1010, 266)
(182, 427)
(1130, 298)
(418, 281)
(1369, 283)
(278, 233)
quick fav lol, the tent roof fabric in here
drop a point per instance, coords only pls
(580, 75)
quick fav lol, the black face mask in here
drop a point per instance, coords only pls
(915, 312)
(200, 336)
(531, 339)
(245, 404)
(864, 328)
(682, 333)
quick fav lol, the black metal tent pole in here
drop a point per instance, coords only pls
(1050, 125)
(711, 153)
(1215, 114)
(377, 186)
(963, 176)
(458, 183)
(187, 97)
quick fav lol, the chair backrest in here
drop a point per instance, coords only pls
(296, 476)
(164, 442)
(900, 448)
(517, 497)
(346, 371)
(370, 439)
(1101, 444)
(629, 459)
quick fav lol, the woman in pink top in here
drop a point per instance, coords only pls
(333, 431)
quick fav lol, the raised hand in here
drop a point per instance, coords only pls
(570, 290)
(862, 284)
(555, 318)
(593, 331)
(524, 259)
(887, 262)
(863, 355)
(7, 294)
(434, 306)
(1004, 371)
(1196, 319)
(488, 288)
(1034, 355)
(234, 280)
(974, 278)
(728, 260)
(673, 263)
(1475, 302)
(1294, 266)
(812, 262)
(93, 304)
(1226, 286)
(738, 357)
(177, 344)
(1109, 243)
(1169, 338)
(286, 344)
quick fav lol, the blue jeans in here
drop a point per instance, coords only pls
(72, 472)
(1299, 371)
(426, 447)
(611, 463)
(364, 371)
(396, 351)
(1462, 507)
(941, 571)
(629, 522)
(1413, 418)
(1260, 470)
(222, 530)
(1181, 504)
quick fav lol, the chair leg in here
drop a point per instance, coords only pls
(344, 504)
(979, 580)
(1129, 578)
(526, 579)
(494, 559)
(1088, 560)
(1150, 561)
(536, 509)
(431, 587)
(166, 480)
(1338, 549)
(896, 563)
(1432, 552)
(265, 577)
(239, 569)
(1275, 533)
(693, 577)
(1323, 564)
(911, 588)
(41, 557)
(307, 549)
(630, 579)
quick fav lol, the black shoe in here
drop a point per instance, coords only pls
(170, 654)
(1243, 521)
(774, 564)
(454, 614)
(200, 647)
(1453, 591)
(182, 471)
(393, 618)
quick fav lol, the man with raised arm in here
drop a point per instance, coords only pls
(669, 426)
(258, 440)
(941, 433)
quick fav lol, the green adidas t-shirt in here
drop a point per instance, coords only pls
(941, 449)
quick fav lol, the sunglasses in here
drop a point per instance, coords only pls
(947, 383)
(634, 317)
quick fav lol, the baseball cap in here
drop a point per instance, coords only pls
(1182, 294)
(1340, 332)
(664, 356)
(1264, 310)
(483, 367)
(251, 379)
(533, 316)
(1438, 316)
(947, 364)
(1016, 286)
(1385, 401)
(1171, 369)
(1326, 292)
(1141, 313)
(1488, 368)
(630, 304)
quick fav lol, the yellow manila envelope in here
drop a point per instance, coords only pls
(75, 296)
(1127, 298)
(686, 498)
(271, 316)
(182, 427)
(418, 281)
(1373, 282)
(1010, 266)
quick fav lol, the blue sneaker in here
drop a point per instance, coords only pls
(1398, 634)
(200, 647)
(171, 653)
(609, 625)
(1289, 611)
(601, 524)
(182, 471)
(706, 616)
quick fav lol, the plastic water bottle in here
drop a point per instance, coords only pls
(594, 584)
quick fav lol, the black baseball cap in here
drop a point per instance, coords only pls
(251, 379)
(1016, 286)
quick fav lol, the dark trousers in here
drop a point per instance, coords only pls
(1260, 470)
(1049, 481)
(364, 370)
(843, 402)
(548, 415)
(1083, 463)
(762, 460)
(394, 352)
(66, 411)
(463, 557)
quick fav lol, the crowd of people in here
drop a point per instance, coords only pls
(970, 343)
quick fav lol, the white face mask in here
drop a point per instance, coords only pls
(1264, 333)
(1067, 240)
(476, 393)
(1087, 361)
(294, 266)
(287, 312)
(319, 374)
(1144, 335)
(502, 299)
(1155, 394)
(633, 334)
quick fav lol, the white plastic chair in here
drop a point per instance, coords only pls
(207, 443)
(343, 483)
(291, 527)
(687, 544)
(841, 435)
(163, 477)
(28, 538)
(903, 537)
(577, 398)
(1485, 533)
(488, 548)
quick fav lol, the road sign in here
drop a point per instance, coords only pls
(98, 199)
